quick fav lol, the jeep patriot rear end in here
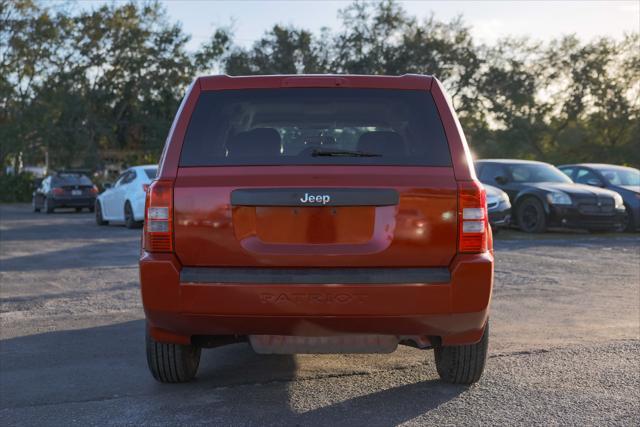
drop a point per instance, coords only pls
(316, 214)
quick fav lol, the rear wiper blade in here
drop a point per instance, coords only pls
(343, 153)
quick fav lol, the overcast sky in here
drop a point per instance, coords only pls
(488, 19)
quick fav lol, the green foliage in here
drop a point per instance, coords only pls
(16, 188)
(80, 83)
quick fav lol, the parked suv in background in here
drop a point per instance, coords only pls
(124, 201)
(316, 214)
(623, 180)
(65, 189)
(542, 197)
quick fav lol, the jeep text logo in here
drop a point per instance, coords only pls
(312, 298)
(318, 198)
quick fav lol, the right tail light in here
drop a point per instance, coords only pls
(158, 224)
(472, 218)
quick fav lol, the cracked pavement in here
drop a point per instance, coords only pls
(565, 343)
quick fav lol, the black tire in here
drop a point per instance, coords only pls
(629, 224)
(33, 204)
(531, 216)
(129, 219)
(172, 363)
(48, 209)
(99, 219)
(462, 364)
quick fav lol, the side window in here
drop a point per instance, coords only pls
(489, 172)
(120, 180)
(568, 171)
(585, 176)
(129, 177)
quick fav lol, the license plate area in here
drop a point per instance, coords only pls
(315, 224)
(76, 192)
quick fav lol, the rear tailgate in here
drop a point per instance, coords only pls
(416, 228)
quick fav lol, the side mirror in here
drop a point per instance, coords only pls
(594, 182)
(502, 180)
(107, 185)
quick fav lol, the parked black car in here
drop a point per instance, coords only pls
(542, 196)
(623, 180)
(67, 189)
(499, 208)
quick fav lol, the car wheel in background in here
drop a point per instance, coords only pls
(172, 363)
(99, 219)
(129, 219)
(48, 209)
(462, 364)
(531, 216)
(33, 205)
(629, 222)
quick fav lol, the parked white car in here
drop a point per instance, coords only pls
(124, 201)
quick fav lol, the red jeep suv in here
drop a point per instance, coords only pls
(316, 214)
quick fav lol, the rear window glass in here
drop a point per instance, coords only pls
(151, 172)
(315, 126)
(70, 179)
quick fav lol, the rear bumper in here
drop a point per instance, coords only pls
(72, 202)
(455, 311)
(571, 217)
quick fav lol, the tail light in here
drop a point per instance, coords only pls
(58, 191)
(472, 218)
(158, 224)
(94, 190)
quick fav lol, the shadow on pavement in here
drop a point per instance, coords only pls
(88, 369)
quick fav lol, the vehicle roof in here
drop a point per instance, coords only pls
(511, 161)
(406, 81)
(595, 166)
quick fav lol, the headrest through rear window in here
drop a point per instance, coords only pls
(381, 142)
(258, 142)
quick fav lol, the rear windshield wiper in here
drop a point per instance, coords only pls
(343, 153)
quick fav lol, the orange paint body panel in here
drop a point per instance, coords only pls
(248, 256)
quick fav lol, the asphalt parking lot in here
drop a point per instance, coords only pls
(565, 343)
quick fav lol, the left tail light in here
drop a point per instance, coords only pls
(473, 222)
(158, 224)
(94, 190)
(58, 191)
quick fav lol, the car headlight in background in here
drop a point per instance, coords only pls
(558, 198)
(618, 200)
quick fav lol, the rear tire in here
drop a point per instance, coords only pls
(48, 209)
(99, 218)
(172, 363)
(531, 216)
(629, 225)
(129, 219)
(462, 364)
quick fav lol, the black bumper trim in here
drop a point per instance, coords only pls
(314, 197)
(314, 276)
